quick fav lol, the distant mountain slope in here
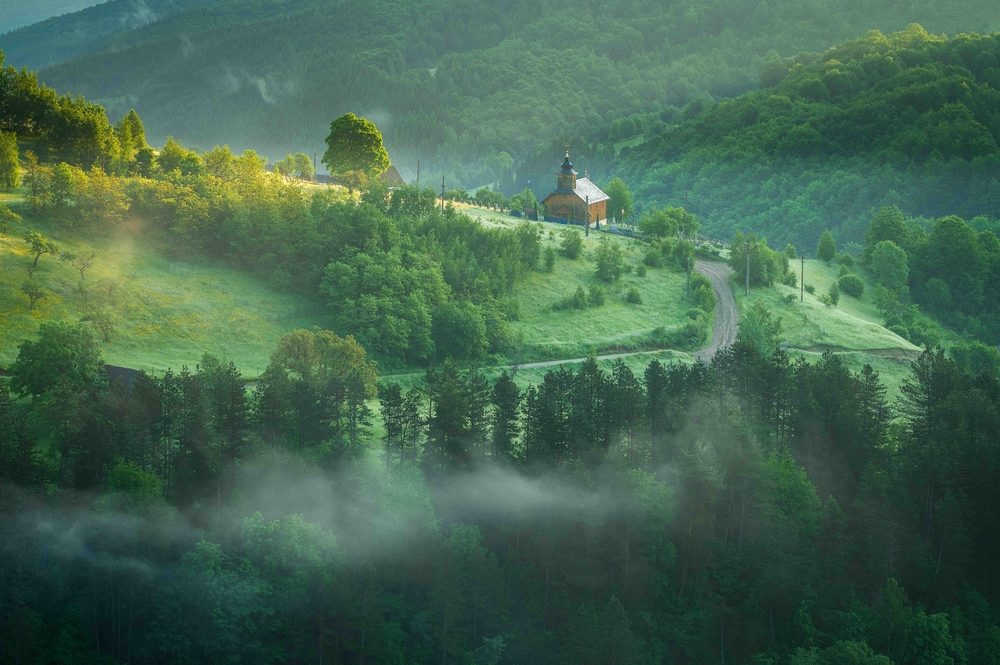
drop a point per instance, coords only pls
(95, 28)
(911, 120)
(453, 82)
(15, 14)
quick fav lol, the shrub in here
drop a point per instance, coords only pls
(550, 259)
(653, 258)
(609, 260)
(571, 243)
(852, 285)
(640, 270)
(695, 314)
(576, 301)
(790, 298)
(633, 296)
(810, 288)
(596, 298)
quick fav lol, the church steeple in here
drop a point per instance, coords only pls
(566, 178)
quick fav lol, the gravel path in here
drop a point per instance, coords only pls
(727, 316)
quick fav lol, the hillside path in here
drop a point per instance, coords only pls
(727, 316)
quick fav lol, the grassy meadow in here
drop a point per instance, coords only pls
(617, 325)
(166, 312)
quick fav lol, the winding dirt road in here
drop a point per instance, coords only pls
(727, 316)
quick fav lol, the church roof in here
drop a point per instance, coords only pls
(586, 188)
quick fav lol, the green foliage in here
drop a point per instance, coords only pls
(888, 223)
(827, 249)
(889, 264)
(39, 246)
(34, 292)
(596, 296)
(621, 200)
(298, 165)
(609, 261)
(64, 356)
(459, 331)
(760, 329)
(633, 297)
(10, 170)
(791, 252)
(766, 265)
(354, 148)
(8, 218)
(668, 222)
(571, 243)
(315, 389)
(832, 297)
(852, 285)
(878, 121)
(549, 261)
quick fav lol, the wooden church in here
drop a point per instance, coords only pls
(576, 200)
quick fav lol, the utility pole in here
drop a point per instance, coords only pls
(442, 193)
(418, 174)
(748, 267)
(802, 278)
(587, 218)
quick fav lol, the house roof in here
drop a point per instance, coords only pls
(392, 178)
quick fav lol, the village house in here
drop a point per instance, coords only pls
(575, 200)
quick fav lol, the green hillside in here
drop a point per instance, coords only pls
(164, 312)
(460, 85)
(908, 119)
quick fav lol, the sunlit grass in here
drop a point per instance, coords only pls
(169, 311)
(615, 326)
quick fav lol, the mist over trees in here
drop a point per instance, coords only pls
(760, 509)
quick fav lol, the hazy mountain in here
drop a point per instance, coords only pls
(15, 14)
(461, 85)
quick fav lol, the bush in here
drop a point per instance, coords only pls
(810, 288)
(790, 298)
(633, 296)
(695, 314)
(653, 258)
(846, 260)
(576, 301)
(640, 270)
(596, 298)
(609, 260)
(550, 259)
(571, 243)
(852, 285)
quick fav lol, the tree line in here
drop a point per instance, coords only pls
(755, 509)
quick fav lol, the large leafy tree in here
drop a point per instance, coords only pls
(620, 205)
(355, 149)
(64, 353)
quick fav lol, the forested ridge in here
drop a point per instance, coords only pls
(477, 90)
(908, 119)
